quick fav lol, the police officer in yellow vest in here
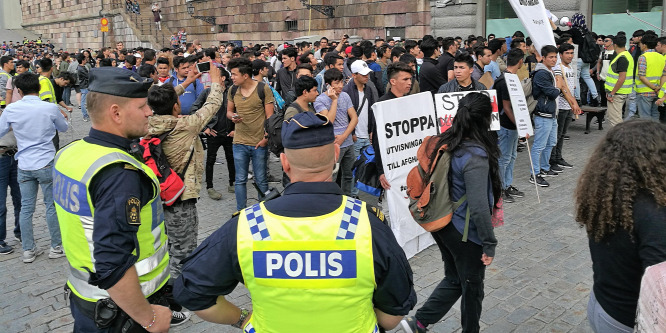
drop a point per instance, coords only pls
(619, 80)
(6, 66)
(649, 73)
(313, 260)
(110, 213)
(48, 91)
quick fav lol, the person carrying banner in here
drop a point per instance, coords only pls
(351, 275)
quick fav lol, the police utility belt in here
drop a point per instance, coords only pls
(108, 315)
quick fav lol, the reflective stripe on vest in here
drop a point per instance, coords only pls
(9, 77)
(612, 77)
(654, 68)
(75, 167)
(311, 274)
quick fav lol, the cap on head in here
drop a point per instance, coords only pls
(360, 67)
(307, 130)
(118, 82)
(348, 50)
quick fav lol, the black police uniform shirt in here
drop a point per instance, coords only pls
(213, 268)
(113, 191)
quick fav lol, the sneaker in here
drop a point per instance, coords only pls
(179, 317)
(250, 175)
(515, 192)
(539, 181)
(86, 119)
(565, 137)
(556, 168)
(215, 195)
(5, 249)
(507, 198)
(56, 252)
(411, 325)
(30, 255)
(549, 173)
(231, 189)
(562, 163)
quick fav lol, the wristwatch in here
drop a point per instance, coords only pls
(244, 313)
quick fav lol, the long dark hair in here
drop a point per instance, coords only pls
(631, 157)
(471, 123)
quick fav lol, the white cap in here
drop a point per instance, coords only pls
(360, 67)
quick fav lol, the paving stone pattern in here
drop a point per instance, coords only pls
(539, 282)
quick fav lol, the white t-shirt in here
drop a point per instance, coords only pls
(362, 126)
(569, 76)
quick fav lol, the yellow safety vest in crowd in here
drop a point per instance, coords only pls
(655, 67)
(75, 166)
(46, 90)
(9, 77)
(313, 274)
(612, 77)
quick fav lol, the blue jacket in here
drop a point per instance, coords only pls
(544, 91)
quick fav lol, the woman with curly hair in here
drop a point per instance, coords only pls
(621, 202)
(473, 172)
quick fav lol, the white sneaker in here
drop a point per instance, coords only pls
(56, 252)
(30, 255)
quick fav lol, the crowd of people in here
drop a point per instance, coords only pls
(196, 100)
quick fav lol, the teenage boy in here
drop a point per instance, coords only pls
(246, 109)
(545, 91)
(508, 134)
(566, 104)
(331, 60)
(340, 110)
(182, 68)
(463, 66)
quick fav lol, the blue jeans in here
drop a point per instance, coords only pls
(242, 156)
(358, 146)
(545, 138)
(66, 94)
(508, 143)
(631, 105)
(84, 110)
(646, 108)
(8, 174)
(584, 72)
(29, 180)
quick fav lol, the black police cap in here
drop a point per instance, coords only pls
(307, 130)
(118, 82)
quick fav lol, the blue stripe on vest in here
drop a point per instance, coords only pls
(350, 216)
(70, 194)
(308, 265)
(255, 219)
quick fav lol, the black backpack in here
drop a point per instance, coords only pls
(589, 51)
(273, 127)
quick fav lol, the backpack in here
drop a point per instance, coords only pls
(428, 189)
(365, 172)
(171, 183)
(273, 127)
(589, 51)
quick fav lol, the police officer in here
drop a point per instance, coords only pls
(313, 260)
(110, 213)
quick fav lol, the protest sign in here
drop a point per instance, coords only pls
(446, 105)
(519, 105)
(532, 14)
(402, 124)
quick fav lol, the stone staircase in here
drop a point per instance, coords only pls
(142, 25)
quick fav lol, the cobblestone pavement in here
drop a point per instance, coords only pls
(539, 282)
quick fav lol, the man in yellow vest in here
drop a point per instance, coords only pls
(110, 214)
(619, 80)
(6, 66)
(649, 73)
(314, 260)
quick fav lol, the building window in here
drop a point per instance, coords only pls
(499, 9)
(62, 3)
(49, 4)
(29, 10)
(223, 28)
(621, 6)
(291, 25)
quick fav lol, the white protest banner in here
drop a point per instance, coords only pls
(446, 105)
(519, 105)
(532, 13)
(402, 124)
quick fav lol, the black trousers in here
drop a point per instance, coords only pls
(563, 121)
(463, 276)
(214, 144)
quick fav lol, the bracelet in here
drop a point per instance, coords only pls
(243, 316)
(152, 323)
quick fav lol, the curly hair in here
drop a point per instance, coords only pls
(632, 156)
